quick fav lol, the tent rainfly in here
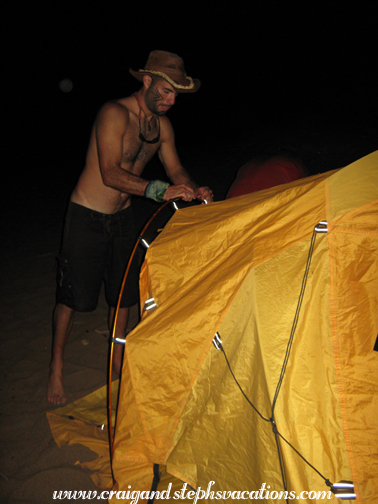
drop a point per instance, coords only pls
(287, 399)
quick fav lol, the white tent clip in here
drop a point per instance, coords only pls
(217, 342)
(149, 304)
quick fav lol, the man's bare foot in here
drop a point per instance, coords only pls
(55, 391)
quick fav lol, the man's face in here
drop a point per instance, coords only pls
(160, 97)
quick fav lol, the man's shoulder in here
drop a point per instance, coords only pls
(114, 108)
(166, 128)
(114, 112)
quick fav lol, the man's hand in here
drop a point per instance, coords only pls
(204, 193)
(182, 191)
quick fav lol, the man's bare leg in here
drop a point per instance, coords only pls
(63, 320)
(120, 332)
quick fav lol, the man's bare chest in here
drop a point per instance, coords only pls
(135, 151)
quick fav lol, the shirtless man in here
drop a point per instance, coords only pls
(125, 136)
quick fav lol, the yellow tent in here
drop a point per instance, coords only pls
(238, 268)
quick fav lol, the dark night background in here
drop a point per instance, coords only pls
(278, 74)
(275, 74)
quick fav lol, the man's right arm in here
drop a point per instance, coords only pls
(111, 125)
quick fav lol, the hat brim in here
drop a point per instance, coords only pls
(180, 88)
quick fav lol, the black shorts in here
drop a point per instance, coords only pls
(97, 247)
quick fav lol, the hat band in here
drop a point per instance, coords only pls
(168, 79)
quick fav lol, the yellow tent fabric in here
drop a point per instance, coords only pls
(85, 422)
(236, 267)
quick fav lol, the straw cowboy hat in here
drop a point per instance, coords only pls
(169, 67)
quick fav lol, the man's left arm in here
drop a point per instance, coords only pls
(173, 167)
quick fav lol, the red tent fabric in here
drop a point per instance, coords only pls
(263, 173)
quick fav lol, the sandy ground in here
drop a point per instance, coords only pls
(32, 466)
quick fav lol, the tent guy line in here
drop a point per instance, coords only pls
(337, 488)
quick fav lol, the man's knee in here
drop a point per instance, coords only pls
(62, 308)
(63, 312)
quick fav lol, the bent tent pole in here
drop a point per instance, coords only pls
(113, 339)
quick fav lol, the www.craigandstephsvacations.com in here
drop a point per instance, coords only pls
(186, 492)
